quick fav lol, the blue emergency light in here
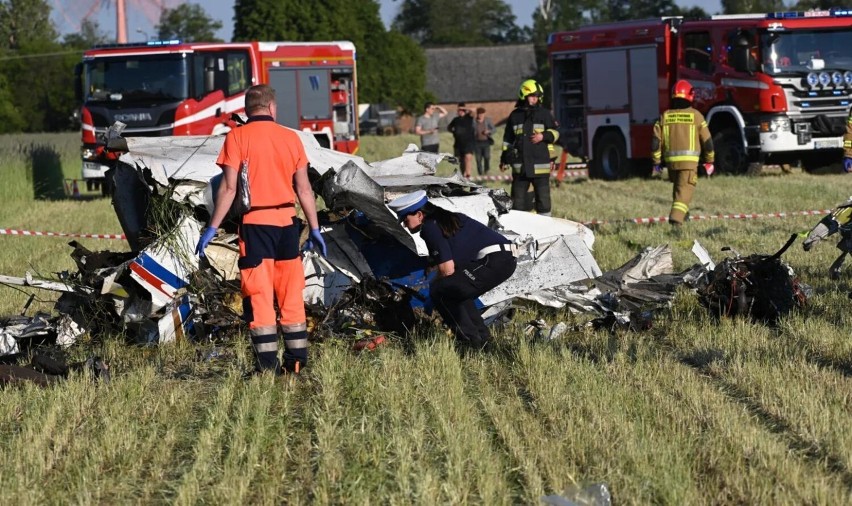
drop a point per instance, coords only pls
(834, 12)
(173, 42)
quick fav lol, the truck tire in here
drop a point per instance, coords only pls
(610, 157)
(731, 155)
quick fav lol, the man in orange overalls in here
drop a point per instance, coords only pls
(270, 265)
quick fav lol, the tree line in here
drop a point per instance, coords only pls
(37, 65)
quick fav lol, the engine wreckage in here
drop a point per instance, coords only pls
(375, 274)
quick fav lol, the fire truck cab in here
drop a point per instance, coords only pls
(774, 88)
(164, 88)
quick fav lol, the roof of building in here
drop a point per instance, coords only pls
(478, 74)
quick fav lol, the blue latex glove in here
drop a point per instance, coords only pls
(316, 239)
(847, 164)
(206, 236)
(658, 169)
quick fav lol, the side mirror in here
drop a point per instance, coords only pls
(742, 60)
(209, 74)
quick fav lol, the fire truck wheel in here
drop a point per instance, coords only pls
(731, 155)
(610, 157)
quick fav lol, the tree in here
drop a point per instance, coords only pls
(751, 6)
(458, 22)
(10, 116)
(90, 35)
(380, 54)
(401, 80)
(36, 69)
(188, 22)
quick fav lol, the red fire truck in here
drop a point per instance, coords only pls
(163, 88)
(774, 88)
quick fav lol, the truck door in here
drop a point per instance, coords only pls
(284, 82)
(696, 66)
(304, 100)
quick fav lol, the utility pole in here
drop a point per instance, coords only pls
(120, 22)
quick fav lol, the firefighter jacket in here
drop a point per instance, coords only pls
(518, 150)
(680, 136)
(847, 138)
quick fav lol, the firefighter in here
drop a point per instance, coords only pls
(527, 147)
(680, 137)
(847, 145)
(270, 265)
(470, 257)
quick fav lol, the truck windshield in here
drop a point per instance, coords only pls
(795, 52)
(136, 78)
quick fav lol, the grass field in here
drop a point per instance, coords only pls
(690, 412)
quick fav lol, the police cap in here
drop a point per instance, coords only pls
(408, 203)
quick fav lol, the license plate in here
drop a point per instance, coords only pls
(830, 143)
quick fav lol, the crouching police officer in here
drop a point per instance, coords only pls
(471, 260)
(680, 137)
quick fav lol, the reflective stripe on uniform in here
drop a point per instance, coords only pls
(266, 347)
(262, 331)
(682, 158)
(294, 327)
(692, 138)
(680, 206)
(554, 133)
(295, 344)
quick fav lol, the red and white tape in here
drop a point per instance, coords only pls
(590, 223)
(33, 233)
(508, 177)
(700, 217)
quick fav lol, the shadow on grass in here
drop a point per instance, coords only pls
(46, 173)
(815, 453)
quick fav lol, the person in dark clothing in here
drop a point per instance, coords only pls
(470, 257)
(484, 129)
(464, 133)
(527, 141)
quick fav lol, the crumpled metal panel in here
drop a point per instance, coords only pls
(164, 267)
(564, 261)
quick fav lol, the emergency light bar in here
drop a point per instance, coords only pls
(836, 13)
(173, 42)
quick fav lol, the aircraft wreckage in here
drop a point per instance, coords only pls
(375, 272)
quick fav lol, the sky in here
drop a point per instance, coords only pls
(139, 27)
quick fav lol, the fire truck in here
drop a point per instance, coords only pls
(163, 88)
(775, 88)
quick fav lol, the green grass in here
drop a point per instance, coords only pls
(690, 412)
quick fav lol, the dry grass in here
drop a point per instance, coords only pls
(691, 412)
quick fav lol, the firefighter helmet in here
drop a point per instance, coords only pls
(682, 89)
(530, 87)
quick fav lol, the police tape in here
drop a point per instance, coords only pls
(590, 223)
(508, 177)
(707, 217)
(33, 233)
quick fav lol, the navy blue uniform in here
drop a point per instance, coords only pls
(454, 296)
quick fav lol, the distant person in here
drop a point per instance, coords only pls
(484, 141)
(680, 138)
(527, 146)
(464, 135)
(271, 272)
(471, 259)
(847, 145)
(427, 127)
